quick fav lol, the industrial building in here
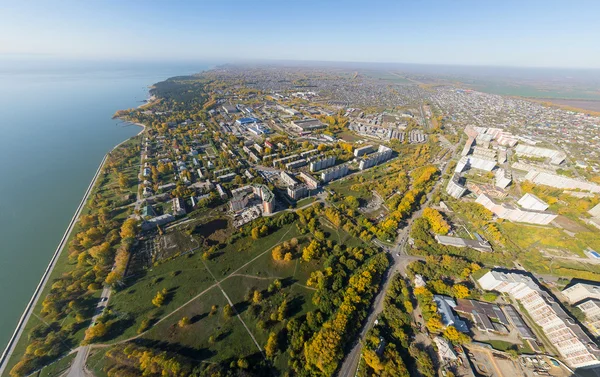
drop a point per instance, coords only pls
(478, 245)
(305, 125)
(512, 213)
(454, 188)
(246, 121)
(572, 343)
(560, 181)
(321, 164)
(481, 163)
(530, 201)
(230, 109)
(556, 157)
(334, 173)
(445, 306)
(581, 291)
(503, 178)
(591, 309)
(487, 317)
(363, 150)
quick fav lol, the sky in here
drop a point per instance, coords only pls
(497, 32)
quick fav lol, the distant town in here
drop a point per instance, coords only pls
(306, 221)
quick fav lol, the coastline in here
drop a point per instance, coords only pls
(7, 353)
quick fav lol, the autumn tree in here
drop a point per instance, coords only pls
(271, 346)
(183, 322)
(159, 298)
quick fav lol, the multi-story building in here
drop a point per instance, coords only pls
(503, 178)
(363, 150)
(569, 339)
(287, 178)
(334, 173)
(178, 206)
(383, 154)
(454, 188)
(295, 164)
(322, 163)
(581, 291)
(309, 180)
(297, 191)
(591, 310)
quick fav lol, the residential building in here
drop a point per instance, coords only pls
(363, 150)
(503, 178)
(334, 173)
(454, 188)
(297, 191)
(178, 207)
(321, 164)
(311, 182)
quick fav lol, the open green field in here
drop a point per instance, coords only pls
(57, 368)
(197, 285)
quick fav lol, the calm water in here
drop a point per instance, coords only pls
(55, 127)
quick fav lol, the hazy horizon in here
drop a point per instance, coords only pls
(511, 33)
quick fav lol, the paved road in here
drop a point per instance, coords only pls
(401, 260)
(78, 368)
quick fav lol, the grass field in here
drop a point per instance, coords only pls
(240, 268)
(57, 368)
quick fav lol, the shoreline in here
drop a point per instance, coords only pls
(7, 353)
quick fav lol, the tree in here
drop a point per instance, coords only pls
(257, 297)
(288, 257)
(271, 346)
(243, 364)
(436, 221)
(255, 233)
(183, 322)
(213, 310)
(95, 332)
(128, 228)
(124, 182)
(434, 324)
(456, 337)
(460, 291)
(277, 253)
(227, 311)
(159, 298)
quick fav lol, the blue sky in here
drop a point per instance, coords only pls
(494, 32)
